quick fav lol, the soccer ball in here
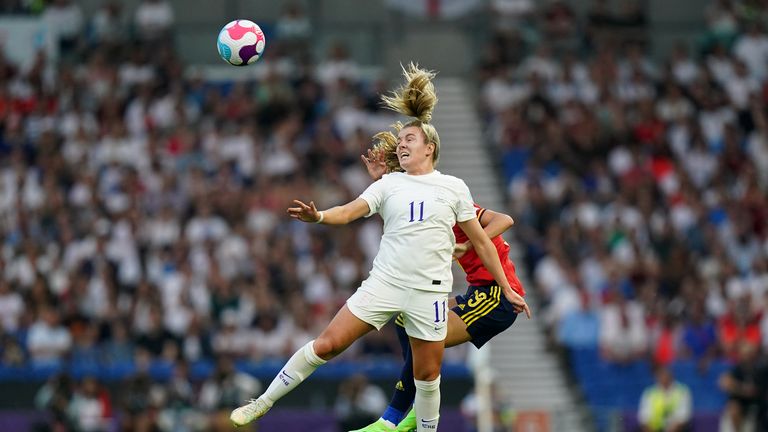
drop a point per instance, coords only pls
(241, 42)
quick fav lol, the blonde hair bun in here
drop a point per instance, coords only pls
(417, 97)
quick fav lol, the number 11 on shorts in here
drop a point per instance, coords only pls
(437, 311)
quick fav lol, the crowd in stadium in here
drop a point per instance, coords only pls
(639, 187)
(142, 209)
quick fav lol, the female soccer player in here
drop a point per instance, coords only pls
(476, 316)
(411, 274)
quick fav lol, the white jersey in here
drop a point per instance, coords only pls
(419, 212)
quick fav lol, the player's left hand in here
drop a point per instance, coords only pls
(518, 302)
(304, 212)
(374, 163)
(460, 249)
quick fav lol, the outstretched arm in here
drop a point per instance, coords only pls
(493, 224)
(490, 258)
(339, 215)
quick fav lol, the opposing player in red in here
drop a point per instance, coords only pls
(475, 316)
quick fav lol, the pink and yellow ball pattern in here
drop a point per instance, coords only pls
(241, 42)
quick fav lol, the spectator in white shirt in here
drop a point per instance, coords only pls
(623, 333)
(206, 226)
(108, 25)
(11, 307)
(154, 19)
(752, 49)
(684, 68)
(720, 64)
(741, 86)
(48, 340)
(337, 65)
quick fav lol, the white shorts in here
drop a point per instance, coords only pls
(425, 312)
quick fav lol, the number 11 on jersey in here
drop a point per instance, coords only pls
(437, 311)
(421, 211)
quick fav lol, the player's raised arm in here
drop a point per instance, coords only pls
(339, 215)
(488, 255)
(493, 224)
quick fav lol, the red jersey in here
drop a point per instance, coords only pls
(477, 274)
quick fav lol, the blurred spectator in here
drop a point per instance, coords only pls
(666, 339)
(744, 385)
(137, 403)
(90, 409)
(337, 66)
(358, 403)
(511, 14)
(64, 19)
(54, 397)
(666, 406)
(270, 335)
(11, 307)
(85, 352)
(293, 26)
(722, 22)
(699, 337)
(623, 333)
(738, 327)
(752, 49)
(197, 344)
(178, 401)
(155, 339)
(559, 21)
(154, 20)
(580, 328)
(118, 348)
(11, 352)
(48, 340)
(226, 389)
(108, 25)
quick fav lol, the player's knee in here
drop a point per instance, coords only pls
(326, 348)
(426, 373)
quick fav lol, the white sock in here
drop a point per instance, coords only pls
(427, 405)
(299, 367)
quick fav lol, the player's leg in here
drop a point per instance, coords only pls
(404, 395)
(405, 389)
(427, 359)
(477, 317)
(344, 329)
(489, 313)
(371, 306)
(426, 322)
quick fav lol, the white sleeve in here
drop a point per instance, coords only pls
(374, 196)
(644, 412)
(683, 412)
(465, 207)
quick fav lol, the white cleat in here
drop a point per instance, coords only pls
(255, 409)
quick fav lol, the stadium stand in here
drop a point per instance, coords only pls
(639, 187)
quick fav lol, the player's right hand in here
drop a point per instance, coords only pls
(374, 163)
(304, 212)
